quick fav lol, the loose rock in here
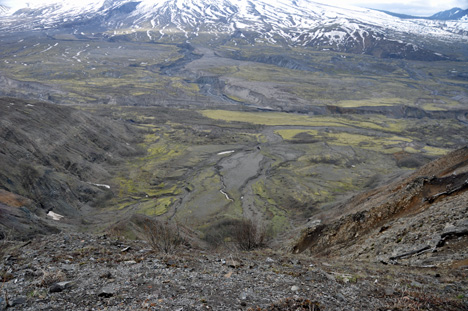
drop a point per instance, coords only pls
(59, 287)
(107, 291)
(3, 304)
(18, 301)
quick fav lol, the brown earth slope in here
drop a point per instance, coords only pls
(421, 220)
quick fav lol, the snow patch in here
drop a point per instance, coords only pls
(55, 216)
(226, 152)
(101, 185)
(226, 195)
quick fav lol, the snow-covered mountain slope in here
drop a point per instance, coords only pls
(285, 22)
(4, 9)
(453, 14)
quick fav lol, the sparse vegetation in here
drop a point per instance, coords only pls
(420, 300)
(50, 277)
(298, 304)
(163, 236)
(243, 234)
(249, 235)
(219, 234)
(5, 243)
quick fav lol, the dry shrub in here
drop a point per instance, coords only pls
(416, 300)
(163, 236)
(249, 235)
(219, 234)
(241, 234)
(299, 304)
(4, 243)
(50, 277)
(7, 243)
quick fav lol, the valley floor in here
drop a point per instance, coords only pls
(85, 272)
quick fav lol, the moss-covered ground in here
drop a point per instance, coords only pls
(192, 170)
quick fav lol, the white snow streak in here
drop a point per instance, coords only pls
(226, 152)
(55, 216)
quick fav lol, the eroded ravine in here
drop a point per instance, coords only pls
(224, 184)
(221, 184)
(218, 185)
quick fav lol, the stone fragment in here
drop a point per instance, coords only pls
(233, 263)
(295, 262)
(130, 262)
(60, 287)
(68, 267)
(389, 291)
(18, 301)
(244, 296)
(171, 263)
(106, 275)
(106, 292)
(3, 304)
(125, 249)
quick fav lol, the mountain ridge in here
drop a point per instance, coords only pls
(302, 24)
(452, 14)
(447, 15)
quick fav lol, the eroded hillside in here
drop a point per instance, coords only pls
(57, 159)
(420, 220)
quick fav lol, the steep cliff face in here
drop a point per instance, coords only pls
(413, 219)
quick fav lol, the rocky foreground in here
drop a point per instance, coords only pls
(85, 272)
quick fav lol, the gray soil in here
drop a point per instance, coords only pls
(84, 272)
